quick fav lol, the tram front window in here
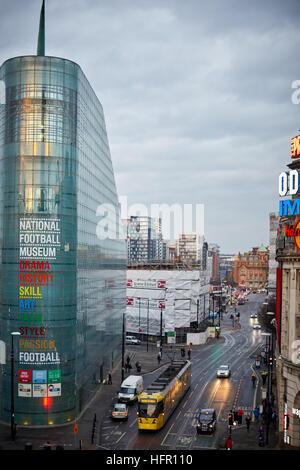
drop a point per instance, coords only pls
(150, 410)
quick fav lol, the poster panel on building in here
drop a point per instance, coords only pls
(54, 376)
(39, 376)
(39, 390)
(54, 390)
(24, 390)
(24, 376)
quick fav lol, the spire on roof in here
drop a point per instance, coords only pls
(41, 38)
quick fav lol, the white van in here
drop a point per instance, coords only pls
(130, 389)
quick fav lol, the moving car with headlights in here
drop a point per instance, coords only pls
(160, 399)
(130, 389)
(253, 315)
(256, 326)
(119, 411)
(132, 340)
(223, 371)
(207, 421)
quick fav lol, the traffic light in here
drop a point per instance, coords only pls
(230, 419)
(271, 361)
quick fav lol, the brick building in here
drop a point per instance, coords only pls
(251, 268)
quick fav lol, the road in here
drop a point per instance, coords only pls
(238, 350)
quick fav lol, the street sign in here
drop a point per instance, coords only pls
(171, 337)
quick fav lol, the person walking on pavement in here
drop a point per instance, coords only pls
(159, 357)
(189, 354)
(228, 444)
(256, 413)
(248, 421)
(261, 437)
(253, 378)
(109, 379)
(240, 416)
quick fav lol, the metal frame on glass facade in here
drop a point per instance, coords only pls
(55, 170)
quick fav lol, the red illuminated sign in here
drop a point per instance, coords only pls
(295, 147)
(294, 231)
(24, 376)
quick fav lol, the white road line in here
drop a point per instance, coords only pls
(133, 422)
(167, 435)
(120, 437)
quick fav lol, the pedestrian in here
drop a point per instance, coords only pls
(274, 419)
(228, 444)
(248, 422)
(261, 411)
(127, 359)
(253, 378)
(189, 354)
(240, 416)
(256, 413)
(261, 436)
(159, 357)
(109, 379)
(264, 377)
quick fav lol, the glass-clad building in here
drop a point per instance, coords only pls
(62, 258)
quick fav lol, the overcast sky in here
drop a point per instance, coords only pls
(196, 96)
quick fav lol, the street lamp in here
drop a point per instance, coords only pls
(12, 389)
(123, 348)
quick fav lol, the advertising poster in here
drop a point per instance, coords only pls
(54, 390)
(24, 390)
(39, 390)
(54, 376)
(39, 376)
(24, 376)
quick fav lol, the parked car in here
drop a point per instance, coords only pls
(256, 326)
(119, 411)
(223, 371)
(132, 340)
(207, 421)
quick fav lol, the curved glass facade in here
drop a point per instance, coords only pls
(62, 285)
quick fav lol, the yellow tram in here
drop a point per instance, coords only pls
(160, 399)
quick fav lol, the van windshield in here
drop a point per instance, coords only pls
(128, 390)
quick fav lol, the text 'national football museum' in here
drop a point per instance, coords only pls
(62, 287)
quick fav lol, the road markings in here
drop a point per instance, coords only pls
(121, 437)
(167, 435)
(133, 422)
